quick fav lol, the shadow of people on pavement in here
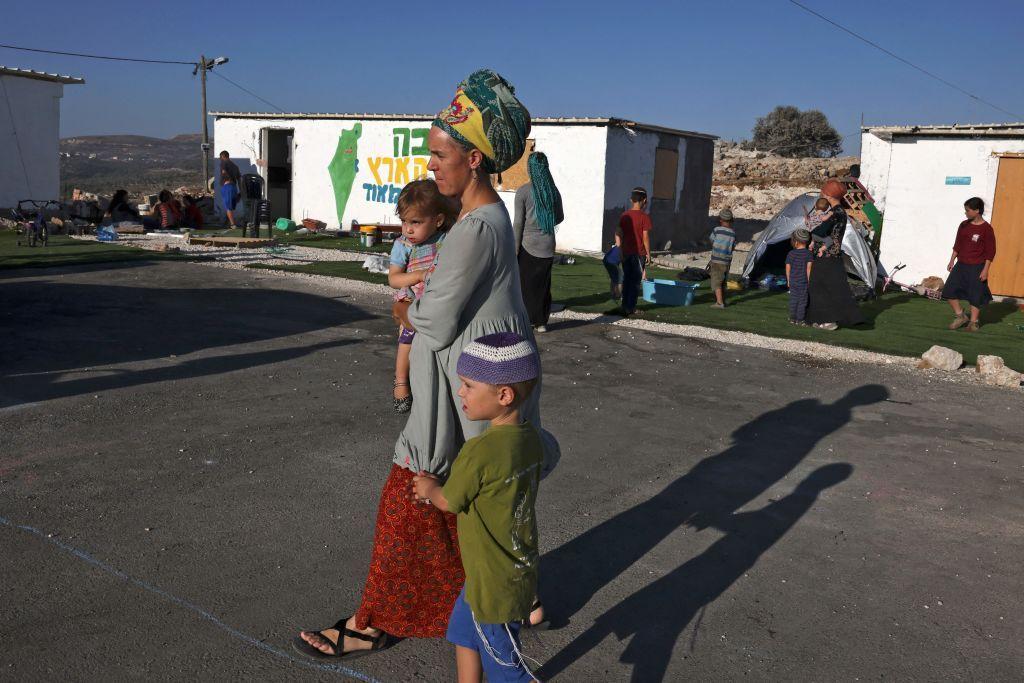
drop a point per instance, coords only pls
(656, 615)
(71, 338)
(764, 451)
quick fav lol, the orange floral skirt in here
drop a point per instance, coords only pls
(415, 569)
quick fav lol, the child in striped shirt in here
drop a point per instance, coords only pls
(723, 240)
(426, 214)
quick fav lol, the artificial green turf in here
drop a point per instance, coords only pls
(331, 242)
(62, 250)
(897, 323)
(315, 240)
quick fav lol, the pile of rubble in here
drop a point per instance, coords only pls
(757, 185)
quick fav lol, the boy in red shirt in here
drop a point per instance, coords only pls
(633, 239)
(973, 253)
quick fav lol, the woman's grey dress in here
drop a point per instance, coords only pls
(473, 291)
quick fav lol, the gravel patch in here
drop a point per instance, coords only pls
(286, 255)
(239, 259)
(328, 284)
(816, 350)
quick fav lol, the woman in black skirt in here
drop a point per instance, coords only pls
(973, 252)
(830, 301)
(538, 210)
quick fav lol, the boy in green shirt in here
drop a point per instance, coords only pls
(493, 487)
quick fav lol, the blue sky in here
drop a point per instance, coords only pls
(706, 66)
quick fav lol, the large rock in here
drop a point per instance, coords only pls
(989, 365)
(942, 358)
(1004, 377)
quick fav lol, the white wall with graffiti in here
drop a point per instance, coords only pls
(349, 169)
(342, 170)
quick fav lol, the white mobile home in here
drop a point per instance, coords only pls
(341, 168)
(30, 134)
(920, 177)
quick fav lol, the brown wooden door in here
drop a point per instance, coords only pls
(1006, 276)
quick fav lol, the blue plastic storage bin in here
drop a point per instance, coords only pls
(669, 292)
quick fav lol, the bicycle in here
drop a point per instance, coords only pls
(933, 294)
(31, 215)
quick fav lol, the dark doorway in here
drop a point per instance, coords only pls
(277, 152)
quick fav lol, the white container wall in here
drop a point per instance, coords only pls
(29, 139)
(347, 168)
(925, 186)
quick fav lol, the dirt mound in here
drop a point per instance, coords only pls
(757, 185)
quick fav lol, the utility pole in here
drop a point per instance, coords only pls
(204, 67)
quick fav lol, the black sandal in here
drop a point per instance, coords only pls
(541, 625)
(402, 405)
(381, 642)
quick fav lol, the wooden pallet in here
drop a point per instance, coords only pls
(856, 197)
(243, 242)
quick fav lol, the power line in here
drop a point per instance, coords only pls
(940, 79)
(246, 90)
(81, 54)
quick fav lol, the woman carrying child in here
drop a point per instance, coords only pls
(830, 301)
(426, 214)
(538, 210)
(415, 569)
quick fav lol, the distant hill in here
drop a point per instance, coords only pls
(139, 164)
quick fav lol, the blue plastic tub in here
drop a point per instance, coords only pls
(669, 292)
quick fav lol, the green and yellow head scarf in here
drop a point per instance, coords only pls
(485, 114)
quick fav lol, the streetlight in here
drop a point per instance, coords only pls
(203, 66)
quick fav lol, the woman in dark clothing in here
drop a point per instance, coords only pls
(120, 210)
(538, 210)
(973, 253)
(831, 302)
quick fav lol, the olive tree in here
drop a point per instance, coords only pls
(789, 132)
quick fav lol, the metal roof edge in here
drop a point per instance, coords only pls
(40, 75)
(541, 120)
(662, 129)
(949, 130)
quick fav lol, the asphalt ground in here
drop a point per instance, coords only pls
(191, 457)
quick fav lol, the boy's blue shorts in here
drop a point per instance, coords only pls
(499, 654)
(229, 195)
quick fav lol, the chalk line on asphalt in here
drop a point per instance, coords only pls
(180, 602)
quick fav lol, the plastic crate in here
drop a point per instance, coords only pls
(669, 292)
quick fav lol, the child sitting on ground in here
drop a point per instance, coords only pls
(168, 211)
(493, 487)
(818, 215)
(192, 216)
(798, 274)
(425, 214)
